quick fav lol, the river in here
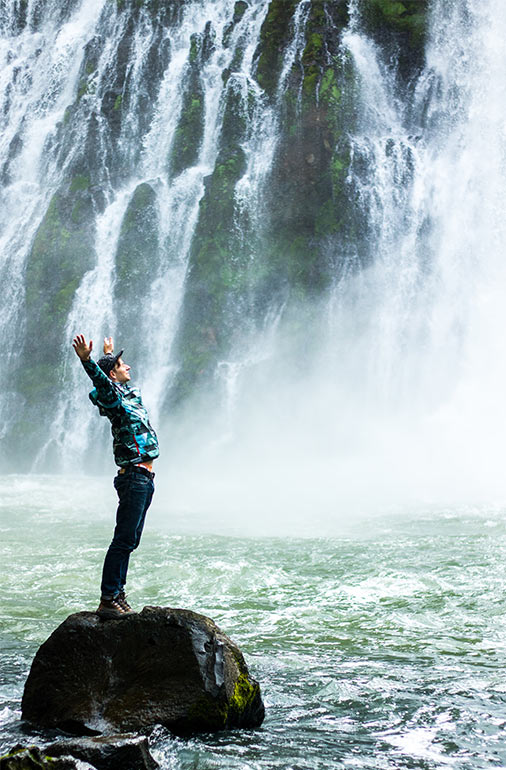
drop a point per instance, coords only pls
(379, 640)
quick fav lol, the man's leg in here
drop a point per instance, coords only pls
(134, 492)
(138, 533)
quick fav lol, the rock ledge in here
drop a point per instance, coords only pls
(161, 666)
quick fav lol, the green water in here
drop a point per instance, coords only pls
(378, 644)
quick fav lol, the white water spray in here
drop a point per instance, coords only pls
(405, 402)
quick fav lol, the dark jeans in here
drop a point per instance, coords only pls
(134, 492)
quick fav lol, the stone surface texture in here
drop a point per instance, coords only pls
(33, 758)
(162, 666)
(107, 752)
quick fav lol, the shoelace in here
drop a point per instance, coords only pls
(121, 600)
(117, 605)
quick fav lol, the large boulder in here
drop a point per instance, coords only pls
(161, 666)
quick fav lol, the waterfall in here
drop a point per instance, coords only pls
(415, 340)
(292, 228)
(39, 67)
(400, 395)
(94, 103)
(177, 199)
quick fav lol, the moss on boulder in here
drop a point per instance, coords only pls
(161, 666)
(33, 758)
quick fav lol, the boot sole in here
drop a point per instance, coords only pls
(111, 614)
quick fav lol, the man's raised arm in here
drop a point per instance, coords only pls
(83, 350)
(99, 378)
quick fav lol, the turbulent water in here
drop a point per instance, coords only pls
(378, 642)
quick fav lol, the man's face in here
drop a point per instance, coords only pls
(121, 372)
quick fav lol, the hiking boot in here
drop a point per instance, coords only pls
(111, 608)
(122, 601)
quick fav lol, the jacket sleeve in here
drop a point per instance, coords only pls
(106, 392)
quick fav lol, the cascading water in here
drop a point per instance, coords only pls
(122, 152)
(177, 207)
(39, 66)
(422, 320)
(129, 114)
(403, 399)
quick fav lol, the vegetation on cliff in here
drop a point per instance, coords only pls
(398, 26)
(61, 253)
(241, 263)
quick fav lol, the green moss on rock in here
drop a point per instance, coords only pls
(212, 276)
(240, 9)
(82, 88)
(305, 215)
(62, 251)
(79, 183)
(190, 130)
(189, 133)
(217, 270)
(59, 257)
(195, 48)
(216, 714)
(274, 37)
(407, 16)
(403, 24)
(136, 256)
(245, 694)
(137, 244)
(30, 758)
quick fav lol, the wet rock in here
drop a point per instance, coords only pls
(33, 758)
(107, 752)
(137, 251)
(398, 26)
(161, 666)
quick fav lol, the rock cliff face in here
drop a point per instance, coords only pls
(305, 216)
(161, 666)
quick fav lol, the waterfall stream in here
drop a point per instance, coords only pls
(416, 336)
(400, 357)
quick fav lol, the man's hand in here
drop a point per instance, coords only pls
(82, 349)
(108, 345)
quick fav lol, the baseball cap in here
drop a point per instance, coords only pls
(109, 361)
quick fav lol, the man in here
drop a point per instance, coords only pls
(135, 446)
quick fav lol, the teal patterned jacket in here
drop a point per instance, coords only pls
(134, 440)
